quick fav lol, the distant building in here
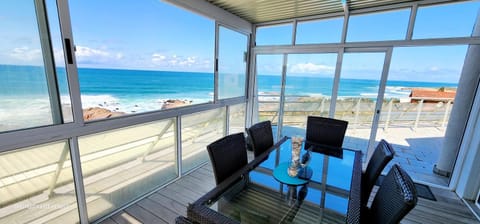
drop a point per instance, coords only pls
(432, 95)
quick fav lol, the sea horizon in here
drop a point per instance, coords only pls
(134, 90)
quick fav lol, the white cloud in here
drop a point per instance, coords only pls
(156, 57)
(434, 68)
(25, 54)
(90, 52)
(311, 68)
(178, 62)
(87, 56)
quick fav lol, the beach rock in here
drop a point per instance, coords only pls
(95, 113)
(175, 103)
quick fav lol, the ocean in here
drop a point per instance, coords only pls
(23, 89)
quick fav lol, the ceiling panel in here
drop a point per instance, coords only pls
(259, 11)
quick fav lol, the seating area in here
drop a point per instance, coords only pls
(166, 204)
(228, 156)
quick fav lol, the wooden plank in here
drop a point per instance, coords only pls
(125, 218)
(191, 183)
(143, 215)
(173, 205)
(182, 199)
(109, 221)
(159, 210)
(188, 192)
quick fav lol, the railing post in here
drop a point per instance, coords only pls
(322, 106)
(357, 111)
(419, 111)
(447, 111)
(387, 121)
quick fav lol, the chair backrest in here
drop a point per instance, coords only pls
(325, 131)
(382, 154)
(227, 155)
(394, 199)
(261, 136)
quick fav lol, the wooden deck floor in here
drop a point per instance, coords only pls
(166, 204)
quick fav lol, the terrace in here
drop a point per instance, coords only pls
(145, 167)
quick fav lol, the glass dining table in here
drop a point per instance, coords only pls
(262, 191)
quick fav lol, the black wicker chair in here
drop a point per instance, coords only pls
(381, 156)
(394, 199)
(327, 132)
(261, 137)
(183, 220)
(227, 155)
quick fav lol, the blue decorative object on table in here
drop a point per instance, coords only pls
(305, 172)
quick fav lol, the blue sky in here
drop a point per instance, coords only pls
(154, 35)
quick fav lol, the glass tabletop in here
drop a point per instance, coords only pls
(259, 197)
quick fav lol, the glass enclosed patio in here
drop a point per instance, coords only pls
(107, 107)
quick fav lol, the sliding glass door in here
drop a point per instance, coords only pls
(291, 87)
(357, 96)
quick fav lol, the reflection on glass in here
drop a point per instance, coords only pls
(120, 165)
(269, 85)
(319, 31)
(237, 118)
(274, 35)
(449, 20)
(130, 63)
(232, 63)
(390, 25)
(199, 130)
(36, 185)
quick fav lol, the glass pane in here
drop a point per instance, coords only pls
(420, 90)
(452, 20)
(391, 25)
(308, 90)
(237, 118)
(319, 31)
(24, 90)
(119, 166)
(269, 87)
(127, 68)
(232, 63)
(274, 35)
(36, 185)
(357, 96)
(199, 130)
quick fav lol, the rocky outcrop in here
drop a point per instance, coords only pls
(95, 113)
(167, 104)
